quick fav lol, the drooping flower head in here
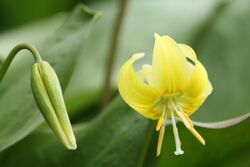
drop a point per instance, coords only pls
(175, 85)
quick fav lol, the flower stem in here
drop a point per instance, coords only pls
(13, 53)
(111, 54)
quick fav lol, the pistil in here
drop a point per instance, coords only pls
(178, 151)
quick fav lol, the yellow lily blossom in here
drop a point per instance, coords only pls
(174, 86)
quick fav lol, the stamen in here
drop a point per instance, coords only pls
(198, 136)
(186, 116)
(162, 119)
(176, 137)
(160, 140)
(189, 125)
(162, 129)
(159, 124)
(185, 119)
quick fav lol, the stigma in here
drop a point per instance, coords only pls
(171, 111)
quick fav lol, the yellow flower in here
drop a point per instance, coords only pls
(174, 86)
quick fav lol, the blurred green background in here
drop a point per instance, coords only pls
(219, 32)
(16, 13)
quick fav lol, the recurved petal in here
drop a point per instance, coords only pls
(198, 90)
(199, 86)
(139, 95)
(199, 78)
(199, 83)
(188, 52)
(145, 74)
(170, 69)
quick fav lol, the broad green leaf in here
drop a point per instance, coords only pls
(14, 13)
(119, 137)
(19, 115)
(30, 32)
(116, 137)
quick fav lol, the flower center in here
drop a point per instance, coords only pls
(170, 111)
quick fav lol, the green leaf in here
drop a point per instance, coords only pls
(32, 33)
(116, 137)
(119, 137)
(19, 115)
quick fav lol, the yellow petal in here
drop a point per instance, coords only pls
(199, 86)
(170, 70)
(198, 90)
(199, 79)
(137, 94)
(188, 52)
(146, 74)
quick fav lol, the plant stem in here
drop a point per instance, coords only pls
(13, 53)
(112, 52)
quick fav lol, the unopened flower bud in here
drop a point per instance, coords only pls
(48, 96)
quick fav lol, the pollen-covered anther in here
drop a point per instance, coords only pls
(189, 125)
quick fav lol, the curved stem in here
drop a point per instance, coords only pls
(216, 125)
(14, 52)
(112, 53)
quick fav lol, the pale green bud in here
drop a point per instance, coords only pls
(48, 96)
